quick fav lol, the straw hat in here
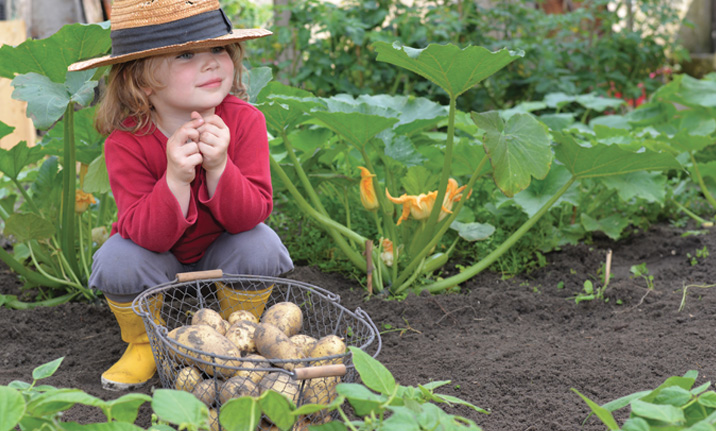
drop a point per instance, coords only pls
(142, 28)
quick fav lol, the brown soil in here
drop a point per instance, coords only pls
(514, 347)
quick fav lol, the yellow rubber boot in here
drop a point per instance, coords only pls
(231, 300)
(136, 366)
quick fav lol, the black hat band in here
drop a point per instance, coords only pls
(207, 25)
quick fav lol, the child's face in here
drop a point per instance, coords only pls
(192, 81)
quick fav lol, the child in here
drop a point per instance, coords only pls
(188, 163)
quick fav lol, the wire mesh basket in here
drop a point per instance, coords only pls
(215, 378)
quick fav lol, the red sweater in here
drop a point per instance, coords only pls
(150, 215)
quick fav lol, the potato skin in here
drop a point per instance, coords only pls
(305, 342)
(207, 316)
(237, 387)
(206, 339)
(206, 392)
(286, 316)
(248, 368)
(187, 379)
(241, 334)
(281, 383)
(272, 343)
(328, 346)
(240, 315)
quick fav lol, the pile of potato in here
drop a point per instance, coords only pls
(273, 340)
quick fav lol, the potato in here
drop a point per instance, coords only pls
(240, 315)
(305, 342)
(281, 383)
(248, 368)
(286, 316)
(187, 379)
(272, 344)
(207, 340)
(241, 334)
(237, 387)
(214, 420)
(207, 316)
(206, 391)
(328, 346)
(320, 390)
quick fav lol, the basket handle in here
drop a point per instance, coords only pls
(199, 275)
(320, 371)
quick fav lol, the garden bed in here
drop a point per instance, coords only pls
(514, 347)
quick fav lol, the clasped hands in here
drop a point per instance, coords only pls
(201, 141)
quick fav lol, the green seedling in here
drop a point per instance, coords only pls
(698, 254)
(589, 292)
(642, 271)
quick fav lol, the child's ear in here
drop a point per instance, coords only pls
(147, 91)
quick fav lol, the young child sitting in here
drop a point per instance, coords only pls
(188, 162)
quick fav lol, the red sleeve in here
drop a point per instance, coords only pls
(244, 196)
(148, 212)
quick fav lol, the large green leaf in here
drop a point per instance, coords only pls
(48, 100)
(355, 127)
(97, 178)
(650, 186)
(696, 92)
(258, 78)
(415, 113)
(5, 129)
(601, 160)
(179, 407)
(455, 70)
(539, 192)
(50, 57)
(28, 226)
(518, 149)
(598, 103)
(612, 226)
(13, 161)
(284, 113)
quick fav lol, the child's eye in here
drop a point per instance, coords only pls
(218, 49)
(185, 55)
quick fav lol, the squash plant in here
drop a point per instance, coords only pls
(46, 213)
(410, 148)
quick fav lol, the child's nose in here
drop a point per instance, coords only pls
(210, 61)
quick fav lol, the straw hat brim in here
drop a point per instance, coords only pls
(237, 35)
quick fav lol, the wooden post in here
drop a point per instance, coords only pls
(13, 112)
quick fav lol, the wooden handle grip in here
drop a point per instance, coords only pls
(320, 371)
(199, 275)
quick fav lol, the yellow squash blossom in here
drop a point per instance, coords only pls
(367, 192)
(452, 194)
(386, 255)
(83, 201)
(418, 206)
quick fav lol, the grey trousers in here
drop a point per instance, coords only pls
(122, 270)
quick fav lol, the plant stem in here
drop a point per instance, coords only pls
(21, 270)
(331, 226)
(488, 260)
(690, 213)
(446, 225)
(69, 178)
(709, 197)
(26, 196)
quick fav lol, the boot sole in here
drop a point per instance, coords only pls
(116, 386)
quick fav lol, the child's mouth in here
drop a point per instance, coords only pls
(211, 84)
